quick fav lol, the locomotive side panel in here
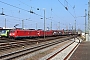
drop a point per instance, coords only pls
(33, 33)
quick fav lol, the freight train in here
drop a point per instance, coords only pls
(30, 33)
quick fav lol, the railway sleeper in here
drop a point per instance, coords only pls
(10, 46)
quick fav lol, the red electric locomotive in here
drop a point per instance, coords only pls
(17, 33)
(22, 33)
(47, 33)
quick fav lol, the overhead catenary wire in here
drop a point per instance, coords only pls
(12, 16)
(25, 4)
(68, 3)
(66, 8)
(73, 7)
(55, 14)
(19, 18)
(29, 6)
(21, 8)
(14, 6)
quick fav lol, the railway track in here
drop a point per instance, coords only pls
(68, 55)
(2, 40)
(18, 43)
(23, 52)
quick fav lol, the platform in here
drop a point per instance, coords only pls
(82, 52)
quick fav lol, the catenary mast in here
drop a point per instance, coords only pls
(89, 20)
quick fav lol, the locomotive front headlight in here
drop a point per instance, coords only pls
(13, 34)
(9, 34)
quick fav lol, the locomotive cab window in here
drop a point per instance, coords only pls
(3, 31)
(0, 31)
(12, 31)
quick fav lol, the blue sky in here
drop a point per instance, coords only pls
(17, 11)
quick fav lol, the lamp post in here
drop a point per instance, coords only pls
(51, 18)
(36, 26)
(44, 24)
(89, 20)
(75, 26)
(51, 22)
(51, 25)
(44, 21)
(3, 14)
(69, 26)
(5, 23)
(85, 23)
(22, 24)
(59, 26)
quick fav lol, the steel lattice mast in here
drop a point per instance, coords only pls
(89, 20)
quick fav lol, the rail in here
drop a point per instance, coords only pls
(20, 53)
(49, 58)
